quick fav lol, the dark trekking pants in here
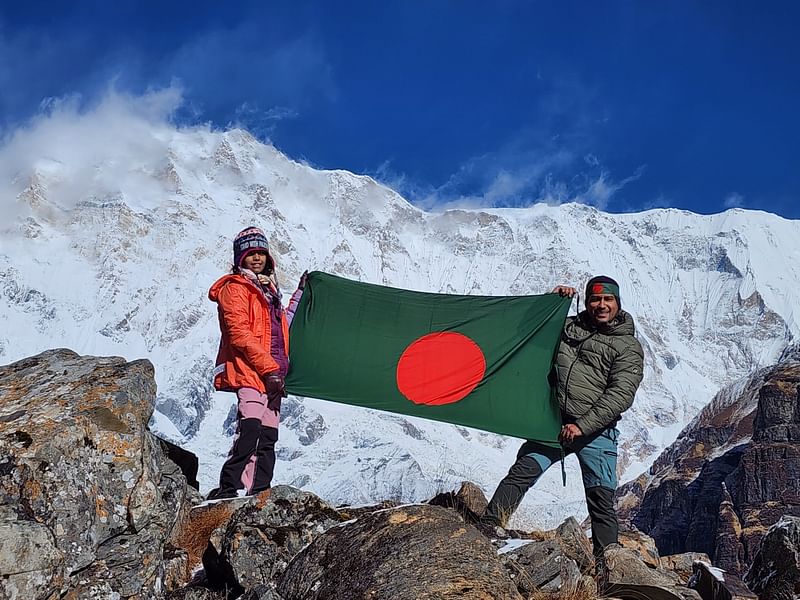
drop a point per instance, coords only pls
(597, 455)
(251, 461)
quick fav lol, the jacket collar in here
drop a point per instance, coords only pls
(582, 326)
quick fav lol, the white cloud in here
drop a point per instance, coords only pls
(501, 180)
(734, 200)
(599, 192)
(69, 141)
(660, 201)
(260, 122)
(551, 161)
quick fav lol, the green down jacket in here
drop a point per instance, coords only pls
(598, 370)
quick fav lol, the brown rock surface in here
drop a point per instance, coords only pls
(575, 544)
(260, 539)
(642, 544)
(406, 553)
(683, 564)
(625, 567)
(469, 501)
(729, 550)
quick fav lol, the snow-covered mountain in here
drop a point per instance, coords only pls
(110, 249)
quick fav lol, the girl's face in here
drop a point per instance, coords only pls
(255, 261)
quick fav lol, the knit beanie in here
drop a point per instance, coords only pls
(602, 285)
(248, 241)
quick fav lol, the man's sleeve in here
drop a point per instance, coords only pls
(623, 381)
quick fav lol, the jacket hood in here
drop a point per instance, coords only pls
(213, 292)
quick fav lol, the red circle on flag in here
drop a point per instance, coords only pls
(440, 368)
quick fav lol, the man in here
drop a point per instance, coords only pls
(598, 368)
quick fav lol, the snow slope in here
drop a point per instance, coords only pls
(109, 249)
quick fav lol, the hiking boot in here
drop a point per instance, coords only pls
(601, 572)
(491, 530)
(220, 494)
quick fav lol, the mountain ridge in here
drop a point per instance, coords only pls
(113, 254)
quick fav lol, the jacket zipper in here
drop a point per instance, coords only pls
(572, 365)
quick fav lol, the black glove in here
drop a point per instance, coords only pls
(276, 389)
(301, 285)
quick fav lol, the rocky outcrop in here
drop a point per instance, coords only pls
(559, 561)
(469, 501)
(775, 573)
(92, 507)
(644, 546)
(410, 552)
(89, 504)
(733, 472)
(766, 484)
(261, 539)
(626, 569)
(715, 584)
(683, 564)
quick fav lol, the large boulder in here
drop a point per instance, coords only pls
(469, 501)
(261, 538)
(575, 544)
(683, 564)
(203, 531)
(405, 553)
(713, 583)
(556, 561)
(542, 566)
(625, 570)
(775, 572)
(89, 504)
(642, 544)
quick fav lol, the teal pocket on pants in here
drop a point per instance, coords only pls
(597, 455)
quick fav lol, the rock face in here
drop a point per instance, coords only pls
(715, 584)
(766, 484)
(625, 568)
(259, 541)
(411, 553)
(92, 507)
(775, 573)
(557, 563)
(89, 504)
(733, 472)
(683, 564)
(643, 545)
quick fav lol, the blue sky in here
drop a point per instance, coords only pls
(622, 105)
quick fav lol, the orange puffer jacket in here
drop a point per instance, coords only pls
(244, 320)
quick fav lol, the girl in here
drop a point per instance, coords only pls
(252, 361)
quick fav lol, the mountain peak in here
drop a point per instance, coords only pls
(114, 252)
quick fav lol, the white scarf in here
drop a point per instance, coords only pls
(267, 284)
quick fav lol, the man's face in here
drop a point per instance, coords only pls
(602, 308)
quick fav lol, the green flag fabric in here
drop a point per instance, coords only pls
(479, 361)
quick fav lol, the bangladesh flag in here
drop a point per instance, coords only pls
(479, 361)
